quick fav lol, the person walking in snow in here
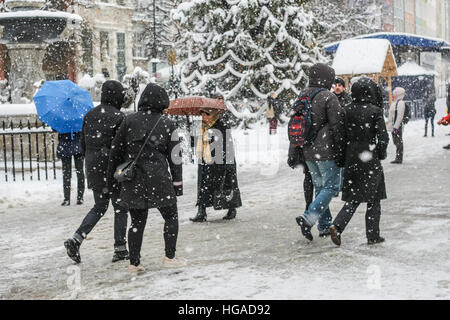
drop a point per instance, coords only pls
(339, 91)
(429, 111)
(322, 155)
(157, 179)
(395, 122)
(217, 183)
(69, 146)
(99, 128)
(367, 141)
(273, 112)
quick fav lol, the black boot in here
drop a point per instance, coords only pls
(65, 203)
(80, 201)
(306, 229)
(120, 255)
(201, 215)
(375, 241)
(73, 249)
(231, 214)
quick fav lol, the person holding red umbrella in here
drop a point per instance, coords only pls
(217, 184)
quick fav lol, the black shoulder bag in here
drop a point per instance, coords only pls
(225, 198)
(127, 170)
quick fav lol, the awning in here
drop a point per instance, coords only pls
(400, 40)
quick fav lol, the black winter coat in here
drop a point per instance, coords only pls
(367, 141)
(152, 186)
(160, 164)
(69, 144)
(211, 176)
(344, 99)
(99, 128)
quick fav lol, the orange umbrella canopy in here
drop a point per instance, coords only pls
(191, 106)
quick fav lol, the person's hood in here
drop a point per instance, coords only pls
(321, 76)
(113, 93)
(366, 90)
(153, 98)
(399, 93)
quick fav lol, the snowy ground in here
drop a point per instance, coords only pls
(260, 255)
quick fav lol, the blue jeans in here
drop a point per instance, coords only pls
(326, 177)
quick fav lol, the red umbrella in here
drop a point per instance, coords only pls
(191, 106)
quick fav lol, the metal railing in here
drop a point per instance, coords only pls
(27, 150)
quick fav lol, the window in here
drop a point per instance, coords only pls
(121, 61)
(138, 45)
(104, 46)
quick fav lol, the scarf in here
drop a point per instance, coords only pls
(203, 150)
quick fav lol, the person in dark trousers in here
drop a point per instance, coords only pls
(217, 172)
(395, 122)
(69, 146)
(273, 112)
(429, 111)
(339, 91)
(296, 158)
(367, 141)
(322, 154)
(157, 179)
(99, 128)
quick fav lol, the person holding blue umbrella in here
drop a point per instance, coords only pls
(69, 147)
(62, 105)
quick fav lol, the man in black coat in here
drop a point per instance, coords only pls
(367, 141)
(429, 111)
(158, 171)
(99, 128)
(339, 91)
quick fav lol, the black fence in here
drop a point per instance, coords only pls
(28, 151)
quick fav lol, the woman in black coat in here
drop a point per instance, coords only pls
(153, 185)
(367, 141)
(69, 146)
(217, 184)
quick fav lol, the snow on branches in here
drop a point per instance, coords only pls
(248, 47)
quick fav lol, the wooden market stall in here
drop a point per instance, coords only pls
(373, 58)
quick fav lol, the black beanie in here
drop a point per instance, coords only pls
(113, 93)
(153, 98)
(340, 81)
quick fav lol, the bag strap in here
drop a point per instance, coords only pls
(146, 141)
(395, 114)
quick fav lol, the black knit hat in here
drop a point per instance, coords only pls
(340, 81)
(153, 98)
(113, 93)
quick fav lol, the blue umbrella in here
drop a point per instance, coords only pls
(62, 105)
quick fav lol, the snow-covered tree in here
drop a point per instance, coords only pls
(345, 20)
(160, 32)
(248, 47)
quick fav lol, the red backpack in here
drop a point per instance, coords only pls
(300, 127)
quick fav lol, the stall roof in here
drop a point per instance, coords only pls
(410, 68)
(400, 39)
(364, 56)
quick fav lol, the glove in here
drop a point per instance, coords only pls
(178, 187)
(291, 162)
(395, 131)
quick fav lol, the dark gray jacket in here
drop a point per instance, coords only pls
(327, 116)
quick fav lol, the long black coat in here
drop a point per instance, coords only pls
(152, 186)
(367, 141)
(211, 176)
(99, 128)
(69, 144)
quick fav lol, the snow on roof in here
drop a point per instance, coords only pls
(17, 109)
(40, 13)
(361, 56)
(410, 68)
